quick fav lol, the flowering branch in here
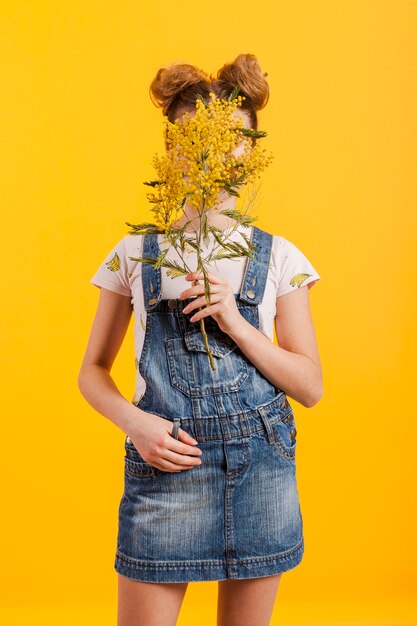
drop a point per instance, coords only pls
(198, 163)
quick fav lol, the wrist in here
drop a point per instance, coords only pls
(240, 330)
(133, 421)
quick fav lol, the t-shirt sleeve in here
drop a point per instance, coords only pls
(294, 269)
(113, 271)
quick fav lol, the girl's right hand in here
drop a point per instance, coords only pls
(153, 440)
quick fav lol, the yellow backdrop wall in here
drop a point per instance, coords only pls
(79, 131)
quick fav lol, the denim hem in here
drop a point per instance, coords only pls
(217, 569)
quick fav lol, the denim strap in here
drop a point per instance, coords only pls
(256, 273)
(254, 279)
(151, 278)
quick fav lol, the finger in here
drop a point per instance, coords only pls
(176, 462)
(192, 291)
(184, 456)
(183, 449)
(183, 435)
(195, 304)
(213, 278)
(171, 467)
(197, 290)
(208, 310)
(182, 460)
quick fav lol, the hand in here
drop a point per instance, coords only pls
(154, 442)
(222, 308)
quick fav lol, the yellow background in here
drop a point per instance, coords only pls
(79, 131)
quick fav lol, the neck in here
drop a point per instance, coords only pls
(214, 218)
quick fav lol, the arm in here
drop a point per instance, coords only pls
(293, 366)
(150, 434)
(106, 337)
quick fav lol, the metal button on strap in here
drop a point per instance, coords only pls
(250, 293)
(172, 303)
(152, 301)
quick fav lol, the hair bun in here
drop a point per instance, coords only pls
(175, 88)
(246, 73)
(171, 81)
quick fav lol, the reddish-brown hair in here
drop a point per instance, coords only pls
(176, 87)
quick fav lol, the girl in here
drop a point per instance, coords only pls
(210, 489)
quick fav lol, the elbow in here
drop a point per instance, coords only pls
(314, 397)
(87, 375)
(82, 379)
(312, 401)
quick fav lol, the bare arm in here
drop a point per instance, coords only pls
(293, 366)
(94, 380)
(149, 433)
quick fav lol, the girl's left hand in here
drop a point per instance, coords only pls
(222, 307)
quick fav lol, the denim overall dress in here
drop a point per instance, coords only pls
(237, 514)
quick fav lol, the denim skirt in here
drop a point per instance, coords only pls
(235, 516)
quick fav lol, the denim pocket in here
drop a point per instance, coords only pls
(139, 469)
(189, 367)
(285, 434)
(135, 464)
(280, 427)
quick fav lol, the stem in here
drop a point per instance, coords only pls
(203, 332)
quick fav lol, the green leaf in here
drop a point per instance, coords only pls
(233, 213)
(224, 255)
(235, 247)
(217, 237)
(181, 204)
(174, 269)
(143, 259)
(231, 191)
(250, 132)
(235, 93)
(160, 259)
(142, 226)
(248, 219)
(248, 242)
(200, 97)
(193, 244)
(174, 273)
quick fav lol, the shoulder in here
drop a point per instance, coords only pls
(131, 245)
(292, 267)
(283, 247)
(279, 242)
(280, 248)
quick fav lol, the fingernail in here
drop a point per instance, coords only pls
(194, 441)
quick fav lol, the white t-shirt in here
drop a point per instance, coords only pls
(289, 269)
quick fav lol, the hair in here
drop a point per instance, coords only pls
(176, 87)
